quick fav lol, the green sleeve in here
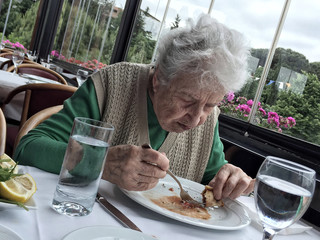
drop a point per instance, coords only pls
(44, 147)
(216, 160)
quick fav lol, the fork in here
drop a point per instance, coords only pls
(184, 195)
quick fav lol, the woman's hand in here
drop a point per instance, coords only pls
(231, 182)
(134, 168)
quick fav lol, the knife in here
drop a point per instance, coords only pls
(116, 212)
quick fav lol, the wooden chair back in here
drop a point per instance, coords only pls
(39, 96)
(34, 121)
(39, 70)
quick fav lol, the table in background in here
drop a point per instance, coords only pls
(45, 224)
(8, 82)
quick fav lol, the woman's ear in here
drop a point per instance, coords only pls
(155, 81)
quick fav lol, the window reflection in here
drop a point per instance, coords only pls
(87, 32)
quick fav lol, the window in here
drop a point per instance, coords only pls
(87, 32)
(17, 20)
(155, 18)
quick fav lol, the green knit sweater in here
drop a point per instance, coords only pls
(44, 147)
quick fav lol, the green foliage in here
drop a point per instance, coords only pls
(315, 68)
(142, 45)
(22, 33)
(18, 16)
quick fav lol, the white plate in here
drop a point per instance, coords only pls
(231, 216)
(30, 205)
(106, 233)
(7, 234)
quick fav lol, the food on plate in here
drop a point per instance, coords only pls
(208, 198)
(175, 204)
(13, 186)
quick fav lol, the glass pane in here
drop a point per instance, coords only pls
(157, 17)
(17, 22)
(292, 91)
(258, 21)
(87, 32)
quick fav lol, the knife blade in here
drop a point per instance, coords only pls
(124, 220)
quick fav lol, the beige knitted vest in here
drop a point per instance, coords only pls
(122, 97)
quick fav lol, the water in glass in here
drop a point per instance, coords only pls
(81, 171)
(283, 192)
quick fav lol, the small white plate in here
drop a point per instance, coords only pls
(7, 234)
(231, 216)
(30, 205)
(106, 233)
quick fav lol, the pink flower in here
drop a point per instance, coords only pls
(230, 96)
(262, 111)
(273, 117)
(243, 108)
(292, 121)
(250, 102)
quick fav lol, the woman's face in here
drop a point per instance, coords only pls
(182, 104)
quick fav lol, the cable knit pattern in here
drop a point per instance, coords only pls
(122, 96)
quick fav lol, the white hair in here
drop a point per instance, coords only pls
(208, 49)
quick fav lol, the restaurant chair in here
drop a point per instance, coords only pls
(10, 54)
(3, 133)
(38, 70)
(38, 96)
(34, 121)
(6, 50)
(6, 64)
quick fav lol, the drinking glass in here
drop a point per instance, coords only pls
(32, 56)
(283, 192)
(17, 59)
(82, 76)
(82, 167)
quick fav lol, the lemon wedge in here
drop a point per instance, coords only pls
(19, 189)
(10, 164)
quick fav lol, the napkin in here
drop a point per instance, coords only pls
(249, 205)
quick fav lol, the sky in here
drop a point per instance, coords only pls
(256, 19)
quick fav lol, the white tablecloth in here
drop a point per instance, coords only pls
(45, 224)
(8, 82)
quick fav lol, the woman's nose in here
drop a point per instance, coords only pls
(195, 117)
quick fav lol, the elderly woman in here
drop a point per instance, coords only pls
(171, 105)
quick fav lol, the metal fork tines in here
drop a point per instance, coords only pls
(183, 193)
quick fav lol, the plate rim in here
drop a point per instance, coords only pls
(191, 185)
(30, 204)
(105, 227)
(9, 230)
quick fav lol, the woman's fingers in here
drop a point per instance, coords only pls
(231, 182)
(134, 168)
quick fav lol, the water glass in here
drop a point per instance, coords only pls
(32, 56)
(283, 192)
(82, 167)
(82, 76)
(17, 59)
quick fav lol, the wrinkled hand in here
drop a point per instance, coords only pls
(231, 182)
(130, 167)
